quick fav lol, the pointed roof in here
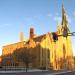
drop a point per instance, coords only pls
(64, 17)
(59, 27)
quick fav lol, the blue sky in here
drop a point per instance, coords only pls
(43, 15)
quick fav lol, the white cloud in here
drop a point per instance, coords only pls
(4, 25)
(57, 18)
(57, 14)
(49, 15)
(69, 19)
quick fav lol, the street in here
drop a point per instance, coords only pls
(37, 73)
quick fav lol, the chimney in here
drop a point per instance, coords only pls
(21, 37)
(31, 33)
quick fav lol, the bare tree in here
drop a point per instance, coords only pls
(24, 55)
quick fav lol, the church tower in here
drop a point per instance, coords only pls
(64, 19)
(67, 43)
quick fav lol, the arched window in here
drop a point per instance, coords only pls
(48, 52)
(64, 50)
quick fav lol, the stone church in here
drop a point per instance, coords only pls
(50, 54)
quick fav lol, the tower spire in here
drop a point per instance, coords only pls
(59, 27)
(64, 18)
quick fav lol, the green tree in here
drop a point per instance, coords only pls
(24, 55)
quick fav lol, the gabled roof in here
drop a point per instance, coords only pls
(39, 38)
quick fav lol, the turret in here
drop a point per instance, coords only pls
(21, 37)
(31, 33)
(59, 28)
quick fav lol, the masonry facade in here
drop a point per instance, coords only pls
(56, 55)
